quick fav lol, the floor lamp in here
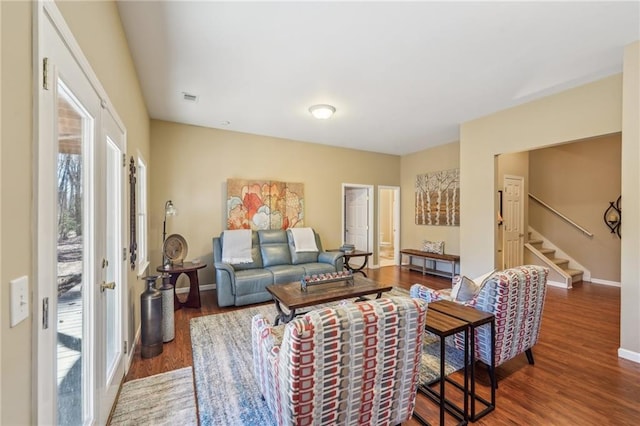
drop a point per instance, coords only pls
(169, 210)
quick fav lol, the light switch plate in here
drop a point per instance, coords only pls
(19, 300)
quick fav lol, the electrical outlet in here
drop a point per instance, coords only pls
(19, 300)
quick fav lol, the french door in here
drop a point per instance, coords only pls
(80, 290)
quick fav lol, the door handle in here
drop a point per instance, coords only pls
(110, 286)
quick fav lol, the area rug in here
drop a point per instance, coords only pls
(226, 390)
(163, 399)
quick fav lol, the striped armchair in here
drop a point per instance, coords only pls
(516, 297)
(352, 364)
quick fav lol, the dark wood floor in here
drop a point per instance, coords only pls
(577, 378)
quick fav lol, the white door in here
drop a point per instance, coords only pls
(79, 231)
(513, 217)
(356, 219)
(110, 359)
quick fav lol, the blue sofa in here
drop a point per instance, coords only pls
(275, 261)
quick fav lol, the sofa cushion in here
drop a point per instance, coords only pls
(252, 281)
(298, 258)
(317, 268)
(274, 247)
(272, 236)
(283, 274)
(276, 254)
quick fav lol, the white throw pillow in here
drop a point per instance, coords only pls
(464, 290)
(433, 246)
(482, 278)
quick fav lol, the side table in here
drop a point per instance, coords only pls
(443, 325)
(474, 318)
(355, 253)
(190, 269)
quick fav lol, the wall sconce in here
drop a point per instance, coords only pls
(613, 216)
(169, 210)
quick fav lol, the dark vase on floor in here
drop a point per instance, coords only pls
(151, 319)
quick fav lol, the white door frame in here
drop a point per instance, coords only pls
(396, 221)
(370, 196)
(44, 405)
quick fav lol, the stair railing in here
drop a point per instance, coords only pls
(557, 213)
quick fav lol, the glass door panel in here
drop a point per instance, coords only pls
(75, 133)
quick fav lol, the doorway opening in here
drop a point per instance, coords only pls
(388, 225)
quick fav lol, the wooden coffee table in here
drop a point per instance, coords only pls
(291, 296)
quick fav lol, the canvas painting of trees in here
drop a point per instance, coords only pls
(438, 198)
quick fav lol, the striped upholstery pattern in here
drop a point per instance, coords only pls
(355, 364)
(516, 297)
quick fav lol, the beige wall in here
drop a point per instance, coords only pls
(190, 166)
(385, 232)
(579, 180)
(1, 139)
(591, 110)
(515, 164)
(579, 113)
(97, 29)
(630, 250)
(443, 157)
(16, 245)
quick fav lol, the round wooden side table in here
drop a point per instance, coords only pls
(190, 269)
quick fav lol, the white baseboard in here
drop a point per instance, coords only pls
(605, 282)
(182, 290)
(631, 356)
(556, 284)
(132, 349)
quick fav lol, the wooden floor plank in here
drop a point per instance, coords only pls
(577, 378)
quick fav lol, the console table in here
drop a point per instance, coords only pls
(451, 259)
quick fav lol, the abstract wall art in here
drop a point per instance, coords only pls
(264, 204)
(438, 198)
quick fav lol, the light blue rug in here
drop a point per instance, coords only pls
(226, 390)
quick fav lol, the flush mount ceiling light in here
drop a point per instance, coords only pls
(322, 111)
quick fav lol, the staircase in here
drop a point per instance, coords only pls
(559, 265)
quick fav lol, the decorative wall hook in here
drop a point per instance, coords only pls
(613, 216)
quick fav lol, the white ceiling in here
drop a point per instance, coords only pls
(402, 76)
